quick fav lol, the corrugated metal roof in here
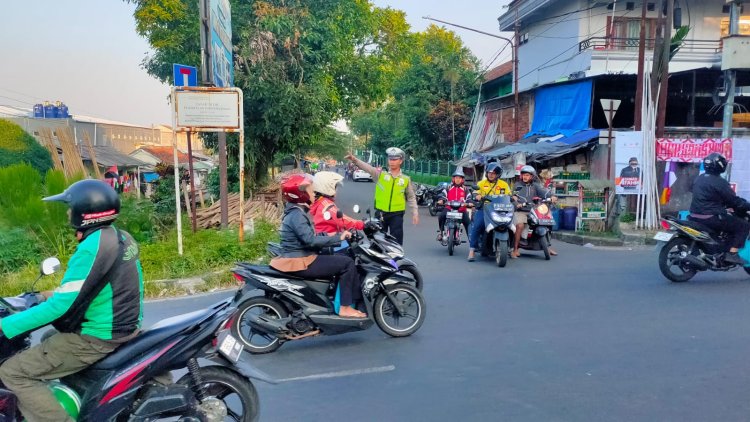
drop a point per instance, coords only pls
(108, 156)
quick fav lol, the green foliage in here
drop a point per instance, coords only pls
(677, 40)
(428, 179)
(21, 195)
(233, 179)
(18, 248)
(204, 251)
(17, 146)
(627, 217)
(301, 65)
(430, 94)
(140, 219)
(163, 196)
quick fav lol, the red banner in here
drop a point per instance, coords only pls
(691, 150)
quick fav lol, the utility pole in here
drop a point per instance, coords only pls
(730, 76)
(661, 114)
(514, 46)
(207, 79)
(641, 60)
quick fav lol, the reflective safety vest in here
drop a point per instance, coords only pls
(390, 192)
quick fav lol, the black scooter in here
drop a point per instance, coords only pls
(124, 386)
(293, 308)
(498, 220)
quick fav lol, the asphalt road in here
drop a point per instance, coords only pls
(593, 335)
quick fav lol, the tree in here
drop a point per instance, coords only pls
(300, 64)
(437, 82)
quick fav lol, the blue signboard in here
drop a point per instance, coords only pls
(185, 75)
(222, 63)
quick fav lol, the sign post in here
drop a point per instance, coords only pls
(610, 108)
(188, 76)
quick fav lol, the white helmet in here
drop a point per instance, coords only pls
(325, 182)
(395, 152)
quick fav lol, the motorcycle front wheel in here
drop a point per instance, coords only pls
(451, 240)
(227, 395)
(671, 256)
(257, 342)
(413, 272)
(433, 209)
(387, 316)
(501, 253)
(544, 243)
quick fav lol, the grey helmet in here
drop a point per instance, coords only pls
(459, 172)
(528, 169)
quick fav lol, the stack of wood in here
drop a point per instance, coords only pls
(257, 208)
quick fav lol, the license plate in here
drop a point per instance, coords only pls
(663, 236)
(454, 215)
(229, 346)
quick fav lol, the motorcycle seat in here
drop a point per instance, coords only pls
(697, 225)
(270, 272)
(158, 333)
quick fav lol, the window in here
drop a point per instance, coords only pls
(744, 26)
(624, 33)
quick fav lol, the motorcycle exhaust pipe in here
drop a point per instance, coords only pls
(268, 326)
(695, 262)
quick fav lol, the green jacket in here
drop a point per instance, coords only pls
(115, 311)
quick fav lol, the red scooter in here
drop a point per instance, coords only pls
(537, 234)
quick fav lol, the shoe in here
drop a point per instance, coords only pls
(440, 237)
(470, 258)
(733, 258)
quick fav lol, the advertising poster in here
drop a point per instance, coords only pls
(628, 153)
(222, 62)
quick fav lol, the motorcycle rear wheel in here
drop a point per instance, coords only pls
(451, 240)
(387, 317)
(501, 253)
(433, 209)
(667, 256)
(242, 329)
(222, 383)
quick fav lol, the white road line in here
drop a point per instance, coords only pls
(340, 374)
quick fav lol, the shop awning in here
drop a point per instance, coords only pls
(543, 150)
(107, 156)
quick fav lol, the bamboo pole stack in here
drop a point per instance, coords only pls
(92, 154)
(256, 209)
(71, 158)
(45, 134)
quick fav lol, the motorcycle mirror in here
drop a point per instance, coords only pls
(327, 215)
(339, 214)
(356, 208)
(49, 266)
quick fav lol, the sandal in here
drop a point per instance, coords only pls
(553, 253)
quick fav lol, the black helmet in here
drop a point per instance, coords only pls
(92, 203)
(715, 163)
(495, 168)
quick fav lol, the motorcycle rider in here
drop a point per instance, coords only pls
(300, 245)
(712, 195)
(456, 192)
(393, 192)
(490, 185)
(527, 189)
(98, 306)
(324, 186)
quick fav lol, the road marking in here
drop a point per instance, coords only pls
(340, 374)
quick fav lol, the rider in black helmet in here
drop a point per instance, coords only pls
(97, 307)
(712, 195)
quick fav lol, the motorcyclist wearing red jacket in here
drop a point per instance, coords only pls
(456, 192)
(324, 210)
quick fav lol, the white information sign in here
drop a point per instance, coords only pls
(207, 109)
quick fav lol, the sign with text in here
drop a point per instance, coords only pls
(691, 150)
(222, 61)
(207, 110)
(628, 153)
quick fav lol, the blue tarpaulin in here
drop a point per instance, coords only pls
(149, 177)
(562, 109)
(546, 150)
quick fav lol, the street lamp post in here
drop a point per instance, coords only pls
(514, 50)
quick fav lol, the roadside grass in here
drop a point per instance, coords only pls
(205, 253)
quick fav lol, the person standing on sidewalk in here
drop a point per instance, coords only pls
(393, 191)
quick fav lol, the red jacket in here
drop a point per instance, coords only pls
(335, 224)
(457, 193)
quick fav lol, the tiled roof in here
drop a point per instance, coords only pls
(499, 71)
(165, 154)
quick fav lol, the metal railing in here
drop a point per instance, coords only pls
(631, 44)
(420, 167)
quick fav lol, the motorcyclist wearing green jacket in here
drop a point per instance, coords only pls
(97, 307)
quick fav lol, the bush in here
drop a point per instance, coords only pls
(17, 146)
(427, 179)
(627, 217)
(140, 219)
(18, 248)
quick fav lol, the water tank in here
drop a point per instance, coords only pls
(58, 112)
(49, 111)
(569, 215)
(38, 111)
(64, 111)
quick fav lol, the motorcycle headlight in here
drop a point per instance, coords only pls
(498, 218)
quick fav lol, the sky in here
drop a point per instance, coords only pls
(87, 54)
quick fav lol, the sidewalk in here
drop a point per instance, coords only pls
(626, 238)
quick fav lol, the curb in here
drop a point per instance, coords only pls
(580, 239)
